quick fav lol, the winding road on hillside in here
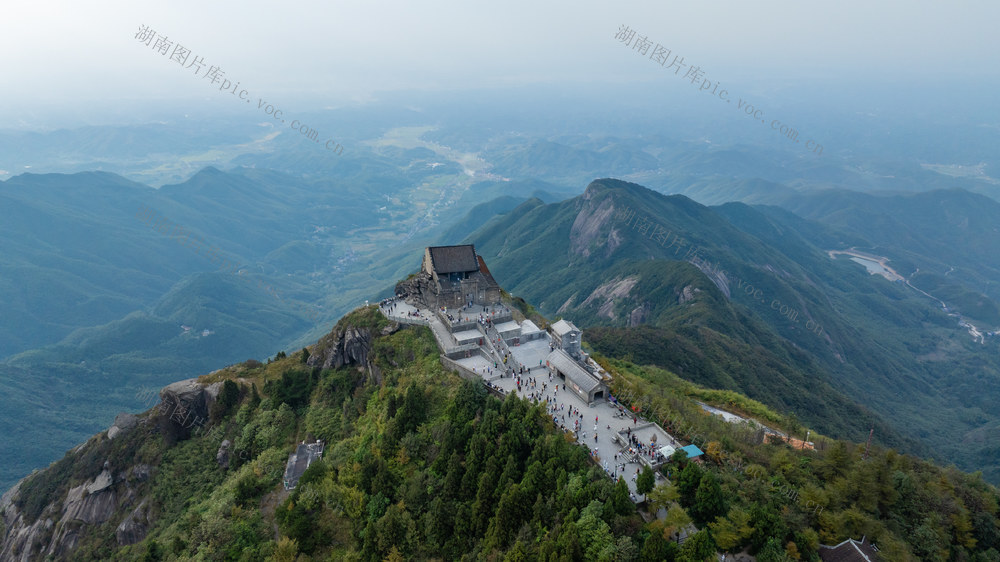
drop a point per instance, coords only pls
(893, 275)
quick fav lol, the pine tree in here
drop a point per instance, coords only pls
(657, 548)
(698, 546)
(688, 483)
(644, 483)
(709, 502)
(254, 396)
(772, 552)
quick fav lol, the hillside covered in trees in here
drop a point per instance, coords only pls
(420, 464)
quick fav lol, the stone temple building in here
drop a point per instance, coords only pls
(566, 336)
(585, 384)
(451, 276)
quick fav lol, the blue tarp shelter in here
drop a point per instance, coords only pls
(692, 451)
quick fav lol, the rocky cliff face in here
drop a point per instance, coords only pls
(116, 496)
(58, 530)
(100, 490)
(184, 407)
(417, 290)
(343, 346)
(348, 345)
(589, 230)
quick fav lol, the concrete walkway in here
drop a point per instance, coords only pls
(608, 444)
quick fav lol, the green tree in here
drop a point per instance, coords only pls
(708, 502)
(254, 396)
(986, 529)
(676, 519)
(927, 542)
(688, 483)
(512, 510)
(767, 524)
(305, 355)
(153, 552)
(287, 551)
(619, 502)
(595, 535)
(679, 458)
(662, 496)
(836, 462)
(657, 548)
(698, 546)
(228, 397)
(412, 413)
(725, 533)
(644, 483)
(773, 552)
(625, 549)
(293, 388)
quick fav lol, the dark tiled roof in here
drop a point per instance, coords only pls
(453, 259)
(572, 370)
(486, 272)
(849, 551)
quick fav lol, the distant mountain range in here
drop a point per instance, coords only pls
(98, 299)
(112, 288)
(763, 309)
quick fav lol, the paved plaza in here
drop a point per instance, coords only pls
(601, 426)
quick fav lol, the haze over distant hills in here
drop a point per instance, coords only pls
(884, 355)
(102, 296)
(785, 211)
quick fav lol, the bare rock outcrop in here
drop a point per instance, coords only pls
(141, 472)
(589, 230)
(640, 314)
(687, 294)
(19, 545)
(417, 290)
(123, 422)
(58, 530)
(134, 527)
(90, 503)
(55, 530)
(222, 456)
(343, 346)
(20, 538)
(184, 407)
(717, 275)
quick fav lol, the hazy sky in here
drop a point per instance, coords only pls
(79, 55)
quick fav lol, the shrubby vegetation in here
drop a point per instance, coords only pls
(780, 502)
(420, 464)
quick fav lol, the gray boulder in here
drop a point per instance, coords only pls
(222, 456)
(123, 422)
(343, 346)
